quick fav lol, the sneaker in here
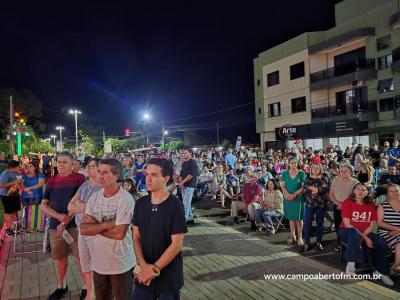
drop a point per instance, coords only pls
(272, 231)
(83, 294)
(319, 247)
(351, 270)
(58, 294)
(190, 222)
(214, 197)
(306, 248)
(384, 278)
(338, 248)
(300, 242)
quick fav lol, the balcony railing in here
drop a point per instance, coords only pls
(341, 110)
(354, 66)
(396, 59)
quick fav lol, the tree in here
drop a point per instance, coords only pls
(41, 146)
(226, 144)
(118, 145)
(172, 145)
(25, 103)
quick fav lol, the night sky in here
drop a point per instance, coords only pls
(113, 61)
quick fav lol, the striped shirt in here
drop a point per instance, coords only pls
(391, 217)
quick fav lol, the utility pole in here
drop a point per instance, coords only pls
(12, 149)
(61, 128)
(163, 135)
(217, 134)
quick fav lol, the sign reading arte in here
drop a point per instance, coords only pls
(286, 132)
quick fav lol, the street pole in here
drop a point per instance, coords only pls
(76, 133)
(61, 141)
(163, 135)
(217, 134)
(54, 143)
(75, 112)
(60, 128)
(12, 150)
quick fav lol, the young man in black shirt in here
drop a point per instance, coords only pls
(158, 230)
(188, 183)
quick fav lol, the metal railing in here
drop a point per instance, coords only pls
(354, 66)
(340, 110)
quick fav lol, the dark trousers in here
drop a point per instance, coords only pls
(150, 293)
(309, 213)
(119, 286)
(337, 219)
(355, 250)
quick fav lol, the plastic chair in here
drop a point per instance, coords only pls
(33, 221)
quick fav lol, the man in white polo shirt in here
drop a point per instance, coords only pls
(108, 217)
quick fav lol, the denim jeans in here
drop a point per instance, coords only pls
(149, 293)
(265, 216)
(337, 219)
(187, 194)
(309, 213)
(355, 251)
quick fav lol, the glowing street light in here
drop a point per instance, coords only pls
(76, 112)
(146, 117)
(60, 128)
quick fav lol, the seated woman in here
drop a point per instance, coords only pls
(233, 184)
(359, 217)
(271, 207)
(219, 185)
(389, 223)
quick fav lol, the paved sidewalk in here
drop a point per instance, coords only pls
(220, 263)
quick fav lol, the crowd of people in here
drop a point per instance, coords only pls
(128, 214)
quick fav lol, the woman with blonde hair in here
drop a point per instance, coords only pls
(316, 189)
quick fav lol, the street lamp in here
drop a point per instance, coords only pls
(76, 112)
(53, 136)
(146, 117)
(60, 128)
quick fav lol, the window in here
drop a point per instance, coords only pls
(385, 85)
(274, 109)
(298, 105)
(297, 71)
(273, 78)
(259, 110)
(258, 82)
(349, 58)
(383, 43)
(385, 62)
(386, 104)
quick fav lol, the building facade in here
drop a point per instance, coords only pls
(340, 86)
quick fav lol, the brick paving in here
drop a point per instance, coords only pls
(219, 263)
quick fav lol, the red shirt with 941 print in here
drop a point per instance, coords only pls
(360, 215)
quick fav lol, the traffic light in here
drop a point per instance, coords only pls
(127, 131)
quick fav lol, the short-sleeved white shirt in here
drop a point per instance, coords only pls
(112, 256)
